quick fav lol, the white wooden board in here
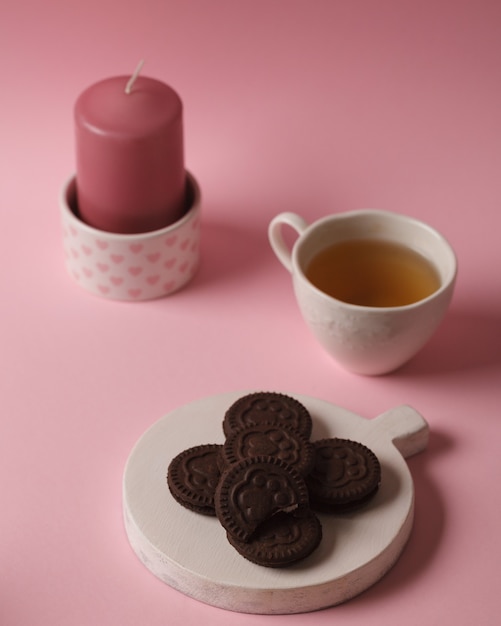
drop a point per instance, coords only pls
(190, 552)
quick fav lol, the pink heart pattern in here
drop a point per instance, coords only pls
(122, 268)
(131, 267)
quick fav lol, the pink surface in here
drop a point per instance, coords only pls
(295, 105)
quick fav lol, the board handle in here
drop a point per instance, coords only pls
(406, 428)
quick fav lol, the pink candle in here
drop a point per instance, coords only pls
(129, 155)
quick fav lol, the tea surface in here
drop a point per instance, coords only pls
(373, 273)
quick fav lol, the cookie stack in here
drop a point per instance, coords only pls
(268, 480)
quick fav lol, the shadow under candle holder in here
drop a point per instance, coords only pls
(132, 267)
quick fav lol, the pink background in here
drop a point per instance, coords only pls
(313, 106)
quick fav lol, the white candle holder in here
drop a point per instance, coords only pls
(132, 267)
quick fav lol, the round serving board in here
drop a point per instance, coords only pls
(190, 552)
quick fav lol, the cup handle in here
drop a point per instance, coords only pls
(276, 239)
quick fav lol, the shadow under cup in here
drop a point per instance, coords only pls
(364, 339)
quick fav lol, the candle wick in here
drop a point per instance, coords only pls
(134, 76)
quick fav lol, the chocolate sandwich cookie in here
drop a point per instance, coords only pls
(281, 540)
(253, 490)
(346, 474)
(192, 478)
(267, 406)
(265, 439)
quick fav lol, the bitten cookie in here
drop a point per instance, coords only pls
(265, 439)
(253, 490)
(345, 475)
(267, 406)
(192, 477)
(282, 540)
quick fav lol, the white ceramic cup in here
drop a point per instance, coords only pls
(132, 267)
(363, 339)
